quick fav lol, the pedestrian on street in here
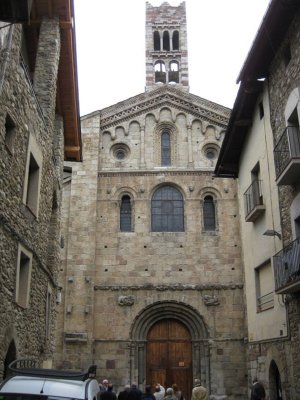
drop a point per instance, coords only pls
(104, 385)
(257, 390)
(148, 395)
(108, 394)
(134, 393)
(177, 392)
(123, 395)
(170, 394)
(158, 394)
(199, 392)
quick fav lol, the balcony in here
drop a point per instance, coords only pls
(287, 268)
(254, 201)
(287, 156)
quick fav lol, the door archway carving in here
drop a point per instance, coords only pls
(175, 311)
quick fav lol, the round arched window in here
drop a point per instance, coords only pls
(167, 210)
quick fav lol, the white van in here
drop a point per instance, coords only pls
(27, 382)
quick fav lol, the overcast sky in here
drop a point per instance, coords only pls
(111, 47)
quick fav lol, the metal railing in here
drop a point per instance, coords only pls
(287, 148)
(265, 302)
(253, 196)
(287, 265)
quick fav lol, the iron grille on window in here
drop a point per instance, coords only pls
(125, 214)
(167, 212)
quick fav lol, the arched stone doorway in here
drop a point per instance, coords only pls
(274, 382)
(159, 316)
(11, 355)
(169, 355)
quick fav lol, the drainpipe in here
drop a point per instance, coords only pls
(6, 57)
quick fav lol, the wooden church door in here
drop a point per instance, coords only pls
(169, 356)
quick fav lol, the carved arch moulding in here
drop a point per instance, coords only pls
(184, 314)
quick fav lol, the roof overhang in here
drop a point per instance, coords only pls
(238, 127)
(269, 37)
(270, 34)
(67, 101)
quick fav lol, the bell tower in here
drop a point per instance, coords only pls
(166, 46)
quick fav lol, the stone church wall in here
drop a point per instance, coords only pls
(120, 274)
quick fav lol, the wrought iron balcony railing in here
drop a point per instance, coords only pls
(253, 199)
(287, 268)
(287, 156)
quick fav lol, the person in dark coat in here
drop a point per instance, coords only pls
(148, 395)
(123, 395)
(108, 394)
(134, 393)
(257, 390)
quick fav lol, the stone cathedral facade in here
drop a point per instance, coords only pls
(151, 273)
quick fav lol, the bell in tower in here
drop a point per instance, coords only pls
(166, 46)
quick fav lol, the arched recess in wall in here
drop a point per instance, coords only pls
(134, 129)
(210, 132)
(156, 41)
(105, 140)
(275, 387)
(11, 356)
(160, 128)
(166, 41)
(175, 310)
(9, 346)
(175, 40)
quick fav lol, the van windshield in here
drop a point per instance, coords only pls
(20, 396)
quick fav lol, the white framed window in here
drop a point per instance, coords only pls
(264, 283)
(23, 276)
(32, 181)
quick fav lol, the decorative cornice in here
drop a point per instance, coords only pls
(151, 173)
(163, 96)
(171, 287)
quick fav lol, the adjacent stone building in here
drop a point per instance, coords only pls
(39, 127)
(262, 149)
(151, 266)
